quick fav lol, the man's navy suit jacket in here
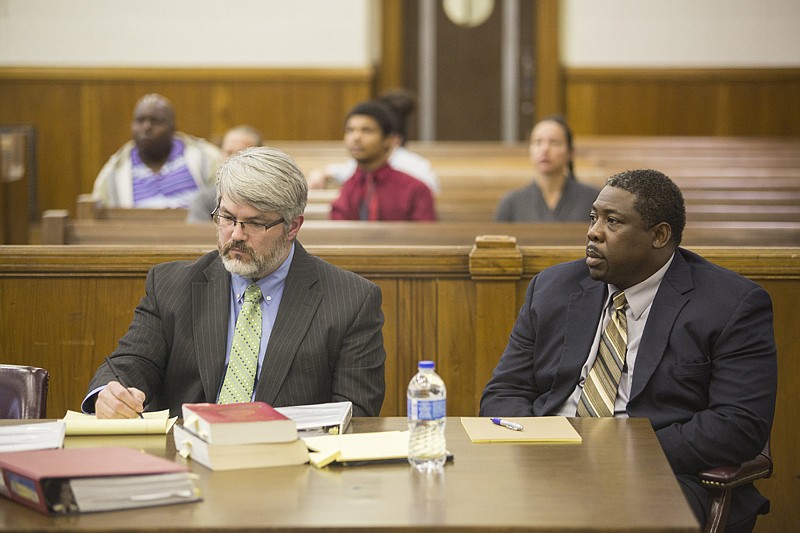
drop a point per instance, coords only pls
(705, 372)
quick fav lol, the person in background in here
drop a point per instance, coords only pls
(644, 328)
(311, 331)
(401, 101)
(159, 167)
(555, 195)
(234, 141)
(377, 191)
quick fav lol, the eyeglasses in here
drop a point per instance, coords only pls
(249, 228)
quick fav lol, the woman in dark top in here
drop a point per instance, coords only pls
(555, 195)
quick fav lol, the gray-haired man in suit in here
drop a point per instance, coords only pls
(321, 337)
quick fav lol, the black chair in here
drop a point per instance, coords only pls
(23, 391)
(721, 481)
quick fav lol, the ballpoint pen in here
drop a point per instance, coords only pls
(114, 371)
(507, 424)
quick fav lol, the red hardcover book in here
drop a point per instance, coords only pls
(79, 480)
(238, 423)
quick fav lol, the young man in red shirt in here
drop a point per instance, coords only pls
(377, 191)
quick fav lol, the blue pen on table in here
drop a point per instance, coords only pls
(114, 371)
(507, 424)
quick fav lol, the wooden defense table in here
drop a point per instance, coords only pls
(617, 479)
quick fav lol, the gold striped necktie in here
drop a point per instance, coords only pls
(600, 387)
(241, 374)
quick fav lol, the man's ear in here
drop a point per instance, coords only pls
(294, 227)
(662, 235)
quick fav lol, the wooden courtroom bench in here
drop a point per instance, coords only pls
(729, 180)
(58, 228)
(87, 209)
(453, 304)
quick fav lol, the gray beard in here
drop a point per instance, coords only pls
(260, 265)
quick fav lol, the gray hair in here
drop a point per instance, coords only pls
(266, 179)
(250, 131)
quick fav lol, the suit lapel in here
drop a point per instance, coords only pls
(669, 301)
(583, 314)
(298, 305)
(211, 311)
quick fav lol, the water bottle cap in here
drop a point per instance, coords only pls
(426, 365)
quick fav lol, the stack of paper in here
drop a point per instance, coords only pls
(34, 436)
(320, 419)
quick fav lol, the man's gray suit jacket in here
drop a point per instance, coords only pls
(326, 344)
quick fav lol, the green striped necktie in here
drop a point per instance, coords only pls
(241, 374)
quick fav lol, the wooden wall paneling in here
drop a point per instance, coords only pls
(222, 108)
(350, 94)
(15, 200)
(495, 311)
(548, 87)
(66, 324)
(392, 405)
(785, 439)
(5, 220)
(311, 109)
(267, 106)
(53, 110)
(715, 102)
(417, 334)
(390, 72)
(111, 108)
(264, 106)
(763, 108)
(456, 343)
(579, 108)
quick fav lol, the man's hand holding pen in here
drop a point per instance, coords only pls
(117, 401)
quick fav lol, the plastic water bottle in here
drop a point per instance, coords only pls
(427, 406)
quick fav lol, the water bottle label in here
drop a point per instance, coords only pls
(426, 409)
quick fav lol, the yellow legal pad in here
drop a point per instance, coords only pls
(536, 429)
(157, 422)
(357, 447)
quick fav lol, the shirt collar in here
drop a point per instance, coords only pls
(641, 295)
(268, 284)
(378, 172)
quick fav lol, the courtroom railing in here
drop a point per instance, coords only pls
(58, 228)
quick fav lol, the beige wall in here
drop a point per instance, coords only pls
(680, 33)
(345, 33)
(188, 33)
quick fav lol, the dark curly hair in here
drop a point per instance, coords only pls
(658, 199)
(380, 111)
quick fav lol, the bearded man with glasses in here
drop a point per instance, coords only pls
(318, 327)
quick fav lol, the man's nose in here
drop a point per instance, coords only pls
(237, 226)
(593, 233)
